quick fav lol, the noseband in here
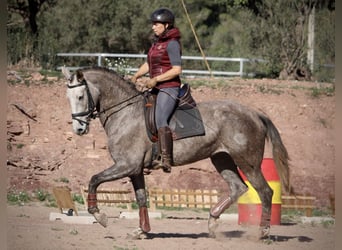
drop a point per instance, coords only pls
(90, 113)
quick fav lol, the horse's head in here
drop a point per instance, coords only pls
(81, 101)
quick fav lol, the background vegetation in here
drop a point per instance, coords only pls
(273, 30)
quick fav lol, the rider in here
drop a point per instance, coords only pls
(164, 67)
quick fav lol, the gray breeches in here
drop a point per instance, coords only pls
(165, 104)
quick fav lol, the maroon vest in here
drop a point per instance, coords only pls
(159, 61)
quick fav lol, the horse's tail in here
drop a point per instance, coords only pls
(280, 154)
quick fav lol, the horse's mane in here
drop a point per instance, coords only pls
(110, 72)
(103, 69)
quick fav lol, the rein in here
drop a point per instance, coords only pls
(92, 112)
(114, 106)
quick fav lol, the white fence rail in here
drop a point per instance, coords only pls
(241, 72)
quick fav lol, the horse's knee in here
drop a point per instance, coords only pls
(141, 197)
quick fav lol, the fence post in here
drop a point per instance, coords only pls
(241, 67)
(99, 60)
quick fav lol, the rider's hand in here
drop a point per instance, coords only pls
(151, 82)
(140, 86)
(134, 79)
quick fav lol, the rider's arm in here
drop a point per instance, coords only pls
(170, 74)
(141, 71)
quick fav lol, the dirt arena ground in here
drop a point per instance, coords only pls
(29, 228)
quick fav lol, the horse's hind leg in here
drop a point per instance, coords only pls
(257, 180)
(227, 168)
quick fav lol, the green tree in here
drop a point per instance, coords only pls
(275, 30)
(28, 11)
(283, 35)
(105, 27)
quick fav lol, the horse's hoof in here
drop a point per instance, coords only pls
(137, 234)
(101, 218)
(167, 169)
(212, 226)
(265, 232)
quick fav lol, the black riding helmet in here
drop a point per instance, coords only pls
(163, 15)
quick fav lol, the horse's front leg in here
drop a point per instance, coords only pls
(138, 182)
(115, 172)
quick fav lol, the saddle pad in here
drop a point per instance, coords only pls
(187, 123)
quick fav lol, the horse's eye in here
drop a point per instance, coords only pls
(80, 98)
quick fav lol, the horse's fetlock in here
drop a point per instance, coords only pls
(93, 210)
(265, 232)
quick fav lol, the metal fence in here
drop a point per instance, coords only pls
(240, 63)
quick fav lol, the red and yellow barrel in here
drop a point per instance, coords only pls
(249, 204)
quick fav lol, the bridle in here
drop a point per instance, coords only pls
(90, 113)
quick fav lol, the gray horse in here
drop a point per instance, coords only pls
(234, 138)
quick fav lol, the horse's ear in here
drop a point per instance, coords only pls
(79, 75)
(66, 73)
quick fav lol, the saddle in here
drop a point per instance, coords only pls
(186, 120)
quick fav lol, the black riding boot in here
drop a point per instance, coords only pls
(165, 144)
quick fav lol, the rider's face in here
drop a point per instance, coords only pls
(158, 28)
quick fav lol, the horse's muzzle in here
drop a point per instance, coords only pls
(80, 129)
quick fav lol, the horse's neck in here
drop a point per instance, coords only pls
(108, 88)
(94, 91)
(117, 101)
(114, 95)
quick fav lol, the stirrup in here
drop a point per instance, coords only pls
(158, 163)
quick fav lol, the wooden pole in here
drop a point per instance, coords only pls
(311, 39)
(196, 38)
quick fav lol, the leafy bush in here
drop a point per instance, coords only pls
(18, 197)
(78, 198)
(41, 195)
(317, 92)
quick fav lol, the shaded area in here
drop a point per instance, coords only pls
(279, 238)
(234, 234)
(185, 218)
(177, 235)
(229, 234)
(274, 238)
